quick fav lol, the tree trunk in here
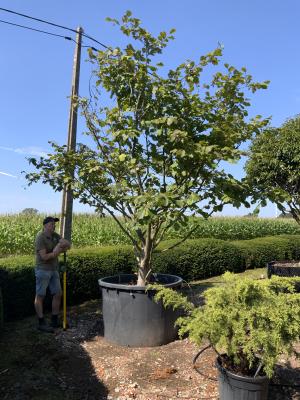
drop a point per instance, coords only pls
(143, 272)
(144, 261)
(144, 257)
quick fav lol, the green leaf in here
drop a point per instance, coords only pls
(122, 157)
(171, 120)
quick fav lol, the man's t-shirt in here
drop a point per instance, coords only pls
(48, 242)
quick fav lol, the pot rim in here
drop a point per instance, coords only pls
(274, 262)
(120, 286)
(244, 378)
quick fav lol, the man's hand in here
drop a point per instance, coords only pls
(62, 246)
(62, 267)
(57, 251)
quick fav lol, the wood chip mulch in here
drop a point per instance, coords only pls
(158, 373)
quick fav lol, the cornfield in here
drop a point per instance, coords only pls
(18, 231)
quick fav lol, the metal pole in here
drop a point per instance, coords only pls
(67, 198)
(65, 294)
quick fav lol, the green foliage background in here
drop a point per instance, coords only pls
(273, 167)
(18, 231)
(193, 260)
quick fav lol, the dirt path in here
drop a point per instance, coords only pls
(79, 364)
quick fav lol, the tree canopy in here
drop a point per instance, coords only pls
(30, 211)
(274, 164)
(158, 141)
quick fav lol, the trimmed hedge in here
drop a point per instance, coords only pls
(192, 260)
(258, 252)
(198, 259)
(18, 286)
(85, 267)
(1, 311)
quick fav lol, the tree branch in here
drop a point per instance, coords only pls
(186, 236)
(127, 233)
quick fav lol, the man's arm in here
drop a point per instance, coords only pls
(49, 256)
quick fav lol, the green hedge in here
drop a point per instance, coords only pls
(1, 311)
(18, 286)
(85, 267)
(258, 252)
(192, 260)
(198, 259)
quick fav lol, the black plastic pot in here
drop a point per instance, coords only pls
(284, 268)
(236, 387)
(131, 317)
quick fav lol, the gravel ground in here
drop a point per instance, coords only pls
(79, 364)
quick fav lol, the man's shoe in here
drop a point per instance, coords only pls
(45, 328)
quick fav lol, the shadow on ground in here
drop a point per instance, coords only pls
(79, 364)
(286, 383)
(41, 366)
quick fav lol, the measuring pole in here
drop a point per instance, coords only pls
(67, 197)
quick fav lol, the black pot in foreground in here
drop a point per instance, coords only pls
(131, 317)
(237, 387)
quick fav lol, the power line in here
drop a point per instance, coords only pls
(37, 19)
(53, 24)
(96, 41)
(54, 34)
(36, 30)
(47, 33)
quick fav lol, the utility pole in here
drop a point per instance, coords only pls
(67, 197)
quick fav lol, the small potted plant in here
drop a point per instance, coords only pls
(155, 159)
(249, 323)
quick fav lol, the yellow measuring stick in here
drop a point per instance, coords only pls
(65, 295)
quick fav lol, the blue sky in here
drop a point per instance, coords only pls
(36, 69)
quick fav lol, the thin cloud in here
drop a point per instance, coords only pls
(6, 174)
(31, 150)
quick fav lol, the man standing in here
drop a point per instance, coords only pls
(48, 246)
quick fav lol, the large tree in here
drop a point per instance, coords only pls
(273, 168)
(158, 141)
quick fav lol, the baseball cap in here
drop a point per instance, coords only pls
(50, 219)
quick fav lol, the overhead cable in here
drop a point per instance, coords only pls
(37, 30)
(53, 24)
(38, 19)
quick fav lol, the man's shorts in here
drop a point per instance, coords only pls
(46, 279)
